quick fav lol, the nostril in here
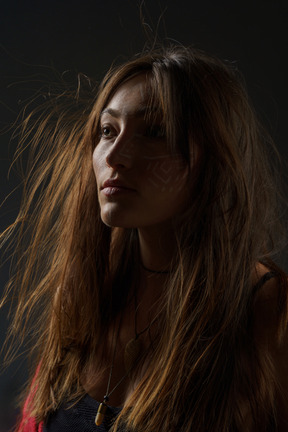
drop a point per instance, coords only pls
(114, 161)
(120, 154)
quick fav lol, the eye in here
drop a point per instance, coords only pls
(106, 131)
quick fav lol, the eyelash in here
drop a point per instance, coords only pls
(102, 134)
(150, 132)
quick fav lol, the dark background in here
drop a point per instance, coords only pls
(38, 37)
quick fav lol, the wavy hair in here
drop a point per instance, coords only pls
(206, 368)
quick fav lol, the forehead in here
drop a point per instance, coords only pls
(130, 98)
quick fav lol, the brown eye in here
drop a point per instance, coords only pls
(106, 131)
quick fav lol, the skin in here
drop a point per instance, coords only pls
(265, 334)
(152, 192)
(153, 181)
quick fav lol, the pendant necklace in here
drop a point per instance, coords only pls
(133, 346)
(103, 406)
(131, 356)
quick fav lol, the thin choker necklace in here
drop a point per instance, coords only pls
(155, 271)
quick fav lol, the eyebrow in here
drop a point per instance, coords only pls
(139, 112)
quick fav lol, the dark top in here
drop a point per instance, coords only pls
(81, 416)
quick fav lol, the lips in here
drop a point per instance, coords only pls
(115, 186)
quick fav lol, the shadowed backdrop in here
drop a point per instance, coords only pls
(39, 38)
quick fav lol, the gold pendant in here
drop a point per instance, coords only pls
(100, 414)
(132, 351)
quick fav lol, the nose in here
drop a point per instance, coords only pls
(121, 152)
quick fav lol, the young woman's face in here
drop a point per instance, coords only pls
(140, 184)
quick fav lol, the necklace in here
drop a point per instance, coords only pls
(155, 271)
(133, 346)
(103, 406)
(131, 355)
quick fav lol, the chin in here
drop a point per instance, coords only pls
(116, 221)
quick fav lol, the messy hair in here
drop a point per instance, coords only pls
(205, 367)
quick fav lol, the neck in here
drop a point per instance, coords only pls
(156, 248)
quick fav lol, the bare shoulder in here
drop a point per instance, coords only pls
(271, 332)
(269, 305)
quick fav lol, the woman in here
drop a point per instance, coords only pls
(160, 299)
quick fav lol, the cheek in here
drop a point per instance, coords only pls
(167, 175)
(97, 162)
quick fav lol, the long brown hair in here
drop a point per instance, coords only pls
(206, 367)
